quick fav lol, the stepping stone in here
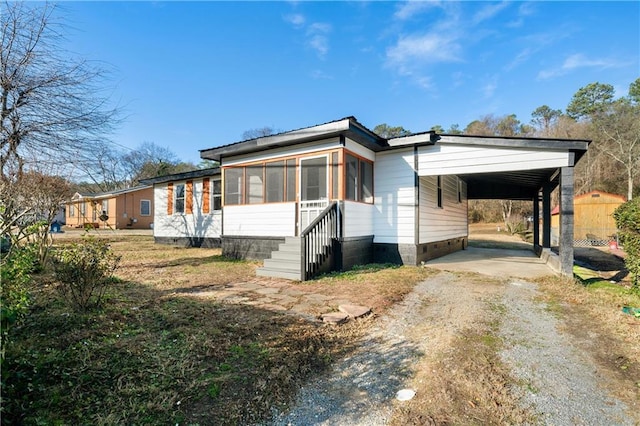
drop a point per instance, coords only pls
(354, 311)
(272, 307)
(334, 317)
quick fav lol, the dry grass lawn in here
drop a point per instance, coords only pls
(152, 355)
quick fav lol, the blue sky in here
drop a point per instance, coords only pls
(197, 75)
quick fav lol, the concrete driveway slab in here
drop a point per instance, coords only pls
(493, 262)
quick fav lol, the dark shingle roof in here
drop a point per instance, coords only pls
(194, 174)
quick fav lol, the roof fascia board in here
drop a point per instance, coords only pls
(428, 138)
(347, 127)
(182, 176)
(564, 144)
(272, 153)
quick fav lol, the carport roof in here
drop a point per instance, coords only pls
(514, 185)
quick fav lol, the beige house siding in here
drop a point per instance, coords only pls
(123, 210)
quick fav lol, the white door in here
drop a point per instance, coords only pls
(314, 189)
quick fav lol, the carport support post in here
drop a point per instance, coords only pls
(536, 222)
(546, 216)
(566, 221)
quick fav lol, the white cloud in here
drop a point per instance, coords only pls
(577, 61)
(320, 44)
(315, 32)
(317, 38)
(424, 82)
(429, 48)
(411, 8)
(490, 88)
(320, 75)
(489, 12)
(319, 27)
(296, 19)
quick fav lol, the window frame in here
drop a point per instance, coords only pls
(439, 195)
(177, 198)
(216, 198)
(358, 180)
(337, 178)
(149, 202)
(279, 167)
(238, 194)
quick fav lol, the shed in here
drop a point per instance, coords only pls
(593, 217)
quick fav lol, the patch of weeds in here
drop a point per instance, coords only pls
(357, 270)
(467, 384)
(214, 390)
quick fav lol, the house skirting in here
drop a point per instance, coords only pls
(248, 247)
(414, 254)
(354, 251)
(204, 242)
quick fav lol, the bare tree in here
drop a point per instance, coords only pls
(30, 205)
(620, 130)
(259, 132)
(53, 107)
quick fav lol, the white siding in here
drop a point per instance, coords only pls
(448, 221)
(443, 159)
(263, 220)
(300, 149)
(197, 224)
(360, 150)
(394, 197)
(358, 219)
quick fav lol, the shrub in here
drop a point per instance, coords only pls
(85, 270)
(627, 218)
(15, 274)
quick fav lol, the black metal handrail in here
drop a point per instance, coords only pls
(318, 238)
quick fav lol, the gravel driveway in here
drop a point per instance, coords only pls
(556, 382)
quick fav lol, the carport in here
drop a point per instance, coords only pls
(514, 169)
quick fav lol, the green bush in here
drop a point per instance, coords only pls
(627, 218)
(84, 271)
(15, 274)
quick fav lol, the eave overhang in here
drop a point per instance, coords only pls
(347, 127)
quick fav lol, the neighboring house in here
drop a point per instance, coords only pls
(593, 218)
(188, 208)
(335, 195)
(130, 208)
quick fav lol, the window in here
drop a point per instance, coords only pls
(351, 172)
(439, 184)
(83, 209)
(233, 186)
(334, 175)
(178, 202)
(275, 181)
(145, 207)
(291, 180)
(105, 206)
(254, 183)
(313, 178)
(359, 179)
(216, 195)
(459, 190)
(366, 181)
(72, 210)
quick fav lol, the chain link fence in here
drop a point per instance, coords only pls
(589, 237)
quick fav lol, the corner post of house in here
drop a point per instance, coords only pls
(536, 222)
(546, 216)
(566, 221)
